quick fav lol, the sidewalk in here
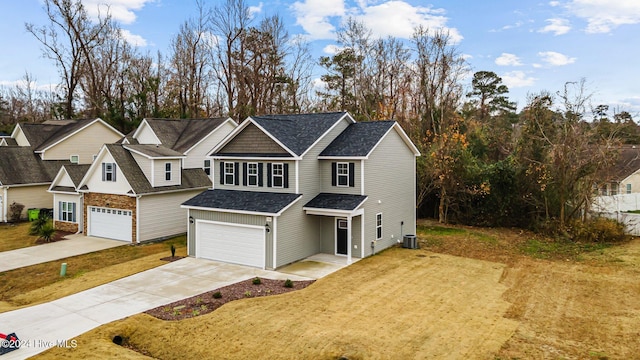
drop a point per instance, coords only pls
(76, 244)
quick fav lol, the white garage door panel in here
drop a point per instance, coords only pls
(230, 243)
(110, 223)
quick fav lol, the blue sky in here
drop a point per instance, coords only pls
(533, 45)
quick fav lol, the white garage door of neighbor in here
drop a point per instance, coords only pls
(110, 223)
(236, 244)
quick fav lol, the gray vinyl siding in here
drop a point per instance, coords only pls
(298, 235)
(161, 216)
(232, 218)
(326, 173)
(391, 165)
(328, 235)
(215, 170)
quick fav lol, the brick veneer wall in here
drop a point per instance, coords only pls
(66, 226)
(112, 201)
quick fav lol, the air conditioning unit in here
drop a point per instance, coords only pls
(410, 242)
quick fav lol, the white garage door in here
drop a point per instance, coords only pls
(238, 244)
(110, 223)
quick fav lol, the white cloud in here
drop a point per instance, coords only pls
(253, 10)
(397, 18)
(602, 16)
(120, 10)
(555, 58)
(516, 79)
(314, 16)
(554, 3)
(135, 40)
(507, 59)
(331, 49)
(556, 26)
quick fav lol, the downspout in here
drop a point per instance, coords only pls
(81, 222)
(138, 218)
(5, 201)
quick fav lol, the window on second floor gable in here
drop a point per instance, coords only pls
(74, 159)
(628, 188)
(108, 172)
(343, 174)
(167, 171)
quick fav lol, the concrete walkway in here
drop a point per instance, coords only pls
(43, 326)
(76, 244)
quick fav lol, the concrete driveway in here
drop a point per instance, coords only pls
(46, 325)
(76, 244)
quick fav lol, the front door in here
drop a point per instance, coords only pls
(341, 237)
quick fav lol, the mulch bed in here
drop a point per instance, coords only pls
(206, 303)
(57, 236)
(172, 258)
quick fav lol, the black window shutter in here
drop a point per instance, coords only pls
(236, 173)
(260, 182)
(114, 171)
(352, 174)
(221, 172)
(73, 211)
(285, 172)
(244, 174)
(268, 174)
(334, 174)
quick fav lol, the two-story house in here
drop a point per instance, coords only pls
(134, 188)
(290, 186)
(32, 156)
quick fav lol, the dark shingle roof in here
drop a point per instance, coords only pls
(68, 189)
(76, 172)
(19, 165)
(298, 131)
(10, 141)
(191, 178)
(154, 150)
(336, 201)
(358, 139)
(253, 201)
(628, 162)
(182, 134)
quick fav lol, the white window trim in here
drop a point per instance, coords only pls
(345, 175)
(65, 206)
(207, 168)
(77, 159)
(167, 171)
(232, 173)
(628, 187)
(379, 226)
(274, 176)
(112, 172)
(254, 176)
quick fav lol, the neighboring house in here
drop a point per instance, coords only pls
(133, 190)
(67, 200)
(290, 186)
(625, 175)
(32, 156)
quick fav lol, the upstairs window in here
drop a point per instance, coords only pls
(108, 172)
(229, 173)
(207, 167)
(277, 173)
(75, 159)
(167, 171)
(628, 188)
(252, 174)
(343, 174)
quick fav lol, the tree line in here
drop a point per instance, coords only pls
(482, 161)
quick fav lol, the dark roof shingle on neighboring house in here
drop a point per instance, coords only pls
(191, 178)
(251, 201)
(181, 134)
(345, 202)
(76, 172)
(20, 166)
(154, 151)
(627, 163)
(358, 139)
(42, 135)
(298, 131)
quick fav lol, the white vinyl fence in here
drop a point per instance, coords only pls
(631, 221)
(612, 203)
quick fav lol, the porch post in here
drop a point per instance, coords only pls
(349, 218)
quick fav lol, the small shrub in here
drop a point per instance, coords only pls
(199, 301)
(598, 230)
(204, 307)
(47, 232)
(195, 313)
(173, 250)
(15, 211)
(257, 281)
(247, 293)
(177, 313)
(288, 283)
(217, 295)
(38, 224)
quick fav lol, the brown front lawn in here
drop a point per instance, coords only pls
(42, 282)
(16, 236)
(468, 293)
